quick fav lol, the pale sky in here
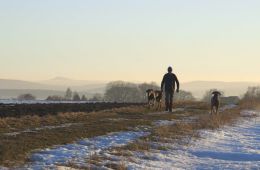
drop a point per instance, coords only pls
(132, 40)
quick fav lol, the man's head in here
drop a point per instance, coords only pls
(170, 69)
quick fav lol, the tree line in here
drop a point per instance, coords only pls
(74, 96)
(69, 95)
(120, 91)
(253, 93)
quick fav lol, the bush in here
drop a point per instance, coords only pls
(68, 94)
(252, 93)
(129, 92)
(26, 97)
(76, 96)
(184, 96)
(55, 98)
(84, 98)
(120, 91)
(251, 99)
(97, 97)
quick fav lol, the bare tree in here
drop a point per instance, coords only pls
(76, 96)
(83, 98)
(184, 96)
(120, 91)
(97, 97)
(55, 98)
(68, 94)
(252, 93)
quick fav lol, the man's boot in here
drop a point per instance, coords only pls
(170, 106)
(166, 106)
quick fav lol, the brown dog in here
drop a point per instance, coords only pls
(215, 102)
(158, 98)
(150, 97)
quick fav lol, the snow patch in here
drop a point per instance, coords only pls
(172, 122)
(249, 113)
(166, 112)
(79, 151)
(13, 101)
(227, 107)
(232, 147)
(164, 122)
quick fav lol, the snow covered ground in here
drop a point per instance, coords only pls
(79, 151)
(14, 101)
(232, 147)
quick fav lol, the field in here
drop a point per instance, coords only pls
(125, 136)
(42, 109)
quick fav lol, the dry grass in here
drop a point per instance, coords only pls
(117, 166)
(250, 104)
(139, 145)
(14, 150)
(94, 158)
(181, 132)
(204, 121)
(191, 105)
(10, 124)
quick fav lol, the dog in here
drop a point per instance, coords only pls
(150, 97)
(158, 98)
(215, 102)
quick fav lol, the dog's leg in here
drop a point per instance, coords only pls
(149, 104)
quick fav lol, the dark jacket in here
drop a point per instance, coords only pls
(168, 82)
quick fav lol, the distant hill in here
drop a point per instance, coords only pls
(57, 86)
(39, 94)
(53, 84)
(78, 85)
(19, 84)
(198, 88)
(63, 81)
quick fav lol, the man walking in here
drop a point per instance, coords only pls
(168, 84)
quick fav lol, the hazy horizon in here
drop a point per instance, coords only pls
(130, 81)
(130, 40)
(42, 89)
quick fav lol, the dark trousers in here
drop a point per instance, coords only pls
(168, 100)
